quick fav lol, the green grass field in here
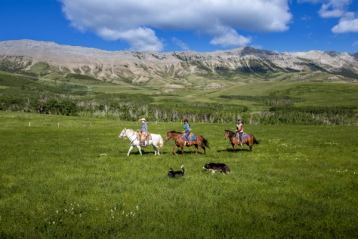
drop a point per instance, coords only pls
(75, 181)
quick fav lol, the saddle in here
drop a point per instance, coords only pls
(144, 138)
(244, 136)
(192, 137)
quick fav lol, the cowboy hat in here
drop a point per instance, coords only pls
(142, 119)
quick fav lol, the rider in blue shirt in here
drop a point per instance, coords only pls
(143, 134)
(187, 129)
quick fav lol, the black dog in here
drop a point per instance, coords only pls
(173, 174)
(220, 167)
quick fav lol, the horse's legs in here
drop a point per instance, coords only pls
(174, 150)
(130, 149)
(250, 143)
(233, 146)
(196, 148)
(182, 149)
(139, 149)
(155, 149)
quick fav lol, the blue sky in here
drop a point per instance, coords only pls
(205, 25)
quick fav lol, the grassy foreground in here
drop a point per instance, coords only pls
(75, 181)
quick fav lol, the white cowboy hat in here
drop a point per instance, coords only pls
(142, 119)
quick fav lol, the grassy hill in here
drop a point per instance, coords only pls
(260, 98)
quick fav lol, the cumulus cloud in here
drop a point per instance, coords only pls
(228, 37)
(141, 38)
(182, 45)
(334, 8)
(136, 21)
(348, 23)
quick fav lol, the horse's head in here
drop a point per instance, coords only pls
(169, 135)
(227, 134)
(123, 133)
(172, 134)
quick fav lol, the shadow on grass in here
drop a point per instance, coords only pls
(144, 152)
(188, 152)
(233, 150)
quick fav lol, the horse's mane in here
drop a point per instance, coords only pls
(130, 129)
(174, 132)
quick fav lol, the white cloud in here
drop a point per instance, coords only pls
(310, 1)
(130, 20)
(141, 38)
(334, 8)
(228, 37)
(182, 45)
(348, 23)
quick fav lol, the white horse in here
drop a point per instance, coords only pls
(156, 141)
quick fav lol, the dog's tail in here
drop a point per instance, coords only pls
(182, 168)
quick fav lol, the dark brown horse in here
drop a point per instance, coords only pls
(249, 139)
(180, 142)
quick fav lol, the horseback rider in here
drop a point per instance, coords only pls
(187, 131)
(143, 133)
(240, 129)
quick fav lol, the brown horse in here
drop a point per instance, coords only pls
(249, 140)
(180, 142)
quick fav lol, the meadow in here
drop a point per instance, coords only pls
(290, 98)
(67, 176)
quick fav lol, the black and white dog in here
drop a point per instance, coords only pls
(179, 173)
(217, 167)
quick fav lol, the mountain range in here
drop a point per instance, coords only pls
(142, 67)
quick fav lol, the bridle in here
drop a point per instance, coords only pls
(130, 137)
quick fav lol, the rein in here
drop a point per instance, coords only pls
(130, 137)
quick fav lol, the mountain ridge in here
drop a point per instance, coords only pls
(140, 67)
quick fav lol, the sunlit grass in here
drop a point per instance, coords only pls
(69, 177)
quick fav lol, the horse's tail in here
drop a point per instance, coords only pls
(255, 140)
(206, 143)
